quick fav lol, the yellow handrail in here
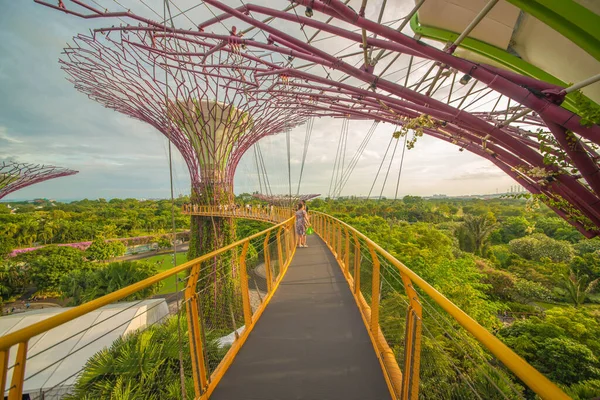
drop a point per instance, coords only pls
(23, 335)
(529, 375)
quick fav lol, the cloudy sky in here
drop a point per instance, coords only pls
(43, 119)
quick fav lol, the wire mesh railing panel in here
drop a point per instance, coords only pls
(393, 311)
(366, 272)
(137, 344)
(471, 371)
(427, 346)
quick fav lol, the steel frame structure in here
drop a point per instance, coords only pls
(15, 176)
(211, 117)
(571, 186)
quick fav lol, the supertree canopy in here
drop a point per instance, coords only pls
(15, 176)
(332, 60)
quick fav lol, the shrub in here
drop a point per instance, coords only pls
(539, 246)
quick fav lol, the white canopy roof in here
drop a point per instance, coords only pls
(55, 358)
(508, 28)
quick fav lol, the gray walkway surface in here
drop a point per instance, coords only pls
(310, 342)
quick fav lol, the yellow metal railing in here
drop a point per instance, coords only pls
(263, 213)
(273, 250)
(371, 273)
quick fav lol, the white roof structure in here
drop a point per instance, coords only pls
(57, 356)
(508, 28)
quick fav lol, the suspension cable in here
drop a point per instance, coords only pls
(289, 164)
(309, 128)
(336, 161)
(264, 171)
(345, 125)
(257, 170)
(388, 168)
(356, 157)
(380, 166)
(400, 170)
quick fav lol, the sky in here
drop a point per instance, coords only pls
(43, 119)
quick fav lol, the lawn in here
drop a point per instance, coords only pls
(166, 262)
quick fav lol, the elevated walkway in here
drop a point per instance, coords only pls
(342, 319)
(310, 343)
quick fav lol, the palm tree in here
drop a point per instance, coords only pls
(578, 287)
(144, 365)
(478, 228)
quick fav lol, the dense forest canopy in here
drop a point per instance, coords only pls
(44, 222)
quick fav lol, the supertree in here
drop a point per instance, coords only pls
(15, 176)
(550, 150)
(207, 109)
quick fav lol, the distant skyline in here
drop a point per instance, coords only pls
(43, 119)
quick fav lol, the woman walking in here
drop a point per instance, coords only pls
(302, 223)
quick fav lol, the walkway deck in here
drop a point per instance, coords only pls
(310, 342)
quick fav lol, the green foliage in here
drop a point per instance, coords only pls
(539, 246)
(558, 228)
(81, 220)
(144, 365)
(524, 290)
(586, 246)
(588, 265)
(164, 243)
(584, 390)
(500, 255)
(562, 346)
(588, 110)
(6, 246)
(101, 250)
(474, 232)
(575, 361)
(82, 285)
(514, 228)
(46, 267)
(12, 279)
(578, 287)
(501, 284)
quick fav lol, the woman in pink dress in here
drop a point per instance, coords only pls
(301, 224)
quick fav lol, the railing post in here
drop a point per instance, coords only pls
(279, 251)
(356, 265)
(375, 290)
(412, 343)
(3, 369)
(347, 253)
(244, 286)
(194, 333)
(267, 254)
(340, 244)
(16, 388)
(333, 235)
